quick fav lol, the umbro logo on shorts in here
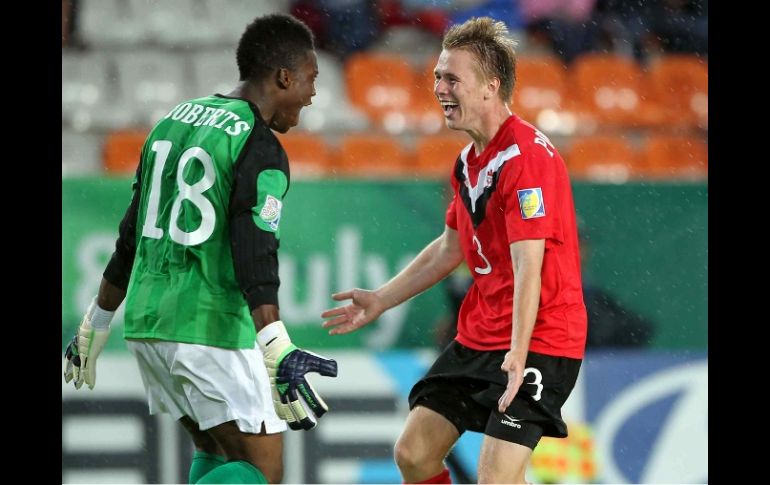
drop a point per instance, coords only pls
(512, 422)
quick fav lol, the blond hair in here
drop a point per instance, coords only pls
(490, 42)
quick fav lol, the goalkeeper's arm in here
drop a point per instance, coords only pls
(94, 329)
(256, 269)
(254, 244)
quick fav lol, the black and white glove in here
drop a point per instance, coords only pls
(294, 399)
(86, 345)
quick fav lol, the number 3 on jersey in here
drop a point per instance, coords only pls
(192, 193)
(488, 268)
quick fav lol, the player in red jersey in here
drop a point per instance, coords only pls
(522, 326)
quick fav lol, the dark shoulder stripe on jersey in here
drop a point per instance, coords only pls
(261, 151)
(255, 252)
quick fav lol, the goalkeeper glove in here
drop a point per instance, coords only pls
(294, 399)
(86, 345)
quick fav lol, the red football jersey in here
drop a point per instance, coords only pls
(517, 189)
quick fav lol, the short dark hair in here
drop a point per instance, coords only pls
(272, 42)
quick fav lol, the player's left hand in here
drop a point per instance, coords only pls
(294, 399)
(513, 365)
(82, 352)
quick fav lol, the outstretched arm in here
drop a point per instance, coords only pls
(433, 264)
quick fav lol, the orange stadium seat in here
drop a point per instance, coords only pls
(426, 111)
(610, 90)
(680, 84)
(309, 156)
(540, 85)
(372, 156)
(667, 156)
(601, 158)
(382, 86)
(122, 150)
(435, 155)
(425, 83)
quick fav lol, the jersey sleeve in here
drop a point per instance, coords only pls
(261, 183)
(118, 270)
(532, 191)
(451, 213)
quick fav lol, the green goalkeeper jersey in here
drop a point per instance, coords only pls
(212, 178)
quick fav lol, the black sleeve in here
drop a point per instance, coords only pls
(118, 270)
(255, 252)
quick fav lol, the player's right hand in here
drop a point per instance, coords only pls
(294, 399)
(82, 352)
(72, 357)
(364, 308)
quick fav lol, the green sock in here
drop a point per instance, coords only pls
(234, 472)
(202, 463)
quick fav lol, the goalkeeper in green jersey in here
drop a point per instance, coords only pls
(196, 261)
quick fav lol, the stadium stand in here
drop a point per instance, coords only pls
(679, 83)
(602, 158)
(122, 150)
(371, 156)
(309, 155)
(124, 65)
(675, 157)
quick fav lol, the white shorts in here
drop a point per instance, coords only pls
(211, 385)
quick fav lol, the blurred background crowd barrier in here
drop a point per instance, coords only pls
(635, 417)
(622, 91)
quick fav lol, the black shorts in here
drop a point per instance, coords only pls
(464, 386)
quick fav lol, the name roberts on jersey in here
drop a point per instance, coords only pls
(199, 115)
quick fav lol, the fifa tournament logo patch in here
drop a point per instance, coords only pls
(271, 212)
(531, 203)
